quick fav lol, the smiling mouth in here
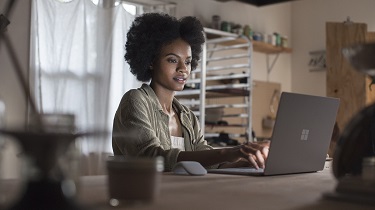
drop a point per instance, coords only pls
(180, 79)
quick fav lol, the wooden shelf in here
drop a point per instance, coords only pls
(258, 46)
(269, 48)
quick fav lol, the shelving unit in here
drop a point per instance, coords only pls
(223, 83)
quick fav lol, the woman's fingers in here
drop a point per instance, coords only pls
(265, 151)
(262, 147)
(249, 157)
(253, 161)
(259, 158)
(255, 154)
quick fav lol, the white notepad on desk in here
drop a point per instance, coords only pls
(300, 138)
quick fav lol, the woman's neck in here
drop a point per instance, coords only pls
(165, 98)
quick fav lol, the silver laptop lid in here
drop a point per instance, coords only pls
(301, 134)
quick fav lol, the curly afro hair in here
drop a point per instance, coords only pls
(151, 31)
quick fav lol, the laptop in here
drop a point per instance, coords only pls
(300, 138)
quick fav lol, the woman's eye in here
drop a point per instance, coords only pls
(188, 63)
(172, 60)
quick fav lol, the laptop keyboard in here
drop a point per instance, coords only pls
(244, 170)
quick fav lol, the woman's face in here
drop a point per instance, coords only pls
(173, 66)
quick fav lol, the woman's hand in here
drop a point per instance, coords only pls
(262, 146)
(254, 153)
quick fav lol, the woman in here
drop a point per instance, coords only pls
(149, 120)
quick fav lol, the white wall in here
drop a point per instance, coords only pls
(308, 30)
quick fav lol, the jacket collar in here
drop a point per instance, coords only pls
(149, 91)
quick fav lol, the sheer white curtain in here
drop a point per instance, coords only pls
(77, 64)
(77, 51)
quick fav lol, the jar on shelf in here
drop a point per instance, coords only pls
(257, 36)
(225, 26)
(278, 39)
(284, 41)
(247, 32)
(237, 29)
(271, 39)
(215, 24)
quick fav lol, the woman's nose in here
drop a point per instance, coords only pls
(183, 68)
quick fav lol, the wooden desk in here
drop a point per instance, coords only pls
(214, 191)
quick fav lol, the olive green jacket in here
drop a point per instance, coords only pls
(140, 127)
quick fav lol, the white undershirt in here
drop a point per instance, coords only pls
(178, 143)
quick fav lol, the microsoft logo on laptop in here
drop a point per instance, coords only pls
(305, 134)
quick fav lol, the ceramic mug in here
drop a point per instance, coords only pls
(133, 180)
